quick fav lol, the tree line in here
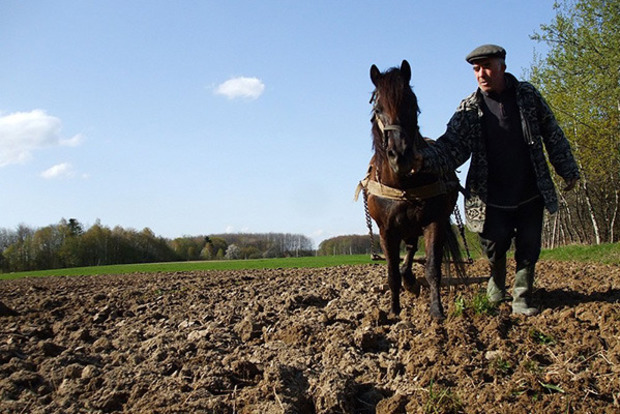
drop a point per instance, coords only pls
(69, 244)
(348, 245)
(363, 244)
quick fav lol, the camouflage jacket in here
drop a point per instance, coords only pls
(464, 138)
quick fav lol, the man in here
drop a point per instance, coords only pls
(504, 127)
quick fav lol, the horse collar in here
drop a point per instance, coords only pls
(373, 185)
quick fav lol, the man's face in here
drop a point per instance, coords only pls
(490, 74)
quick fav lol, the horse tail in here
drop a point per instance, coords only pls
(452, 251)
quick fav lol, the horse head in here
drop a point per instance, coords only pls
(395, 119)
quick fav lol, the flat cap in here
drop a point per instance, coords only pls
(485, 51)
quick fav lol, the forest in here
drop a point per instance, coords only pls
(69, 244)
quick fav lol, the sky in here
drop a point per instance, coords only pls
(208, 117)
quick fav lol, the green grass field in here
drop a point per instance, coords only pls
(300, 262)
(608, 253)
(605, 253)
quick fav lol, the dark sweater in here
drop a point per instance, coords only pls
(511, 179)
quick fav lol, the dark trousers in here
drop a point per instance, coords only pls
(524, 224)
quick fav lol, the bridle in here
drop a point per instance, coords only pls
(388, 127)
(380, 124)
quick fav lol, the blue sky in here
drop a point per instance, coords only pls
(202, 117)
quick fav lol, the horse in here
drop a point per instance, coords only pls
(407, 204)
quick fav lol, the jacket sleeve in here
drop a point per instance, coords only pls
(453, 148)
(557, 145)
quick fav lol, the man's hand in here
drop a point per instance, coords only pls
(570, 184)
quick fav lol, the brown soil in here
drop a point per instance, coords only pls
(306, 341)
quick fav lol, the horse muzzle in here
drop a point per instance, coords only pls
(399, 153)
(397, 146)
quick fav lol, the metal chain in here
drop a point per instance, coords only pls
(459, 224)
(373, 254)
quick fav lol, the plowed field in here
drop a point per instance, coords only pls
(306, 341)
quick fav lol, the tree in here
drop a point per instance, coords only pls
(580, 79)
(18, 256)
(46, 244)
(75, 228)
(233, 252)
(188, 248)
(351, 244)
(250, 252)
(71, 233)
(96, 243)
(213, 245)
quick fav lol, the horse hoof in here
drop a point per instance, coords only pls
(437, 313)
(394, 312)
(393, 317)
(439, 317)
(413, 288)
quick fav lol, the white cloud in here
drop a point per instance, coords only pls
(241, 87)
(64, 170)
(21, 133)
(73, 141)
(232, 229)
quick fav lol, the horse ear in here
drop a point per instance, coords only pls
(405, 70)
(375, 74)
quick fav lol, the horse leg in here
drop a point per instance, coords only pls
(409, 282)
(391, 247)
(432, 270)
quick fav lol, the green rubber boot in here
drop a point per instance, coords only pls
(522, 292)
(496, 288)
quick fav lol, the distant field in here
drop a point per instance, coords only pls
(290, 262)
(605, 253)
(608, 253)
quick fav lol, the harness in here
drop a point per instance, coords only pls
(373, 186)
